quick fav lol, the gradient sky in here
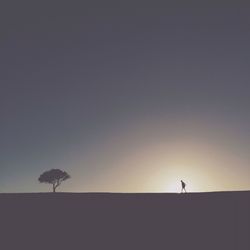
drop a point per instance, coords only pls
(125, 97)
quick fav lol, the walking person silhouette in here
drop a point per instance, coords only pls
(183, 187)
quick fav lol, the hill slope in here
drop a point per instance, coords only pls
(125, 221)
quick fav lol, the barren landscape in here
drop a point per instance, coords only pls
(117, 221)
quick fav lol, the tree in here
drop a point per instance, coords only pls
(54, 177)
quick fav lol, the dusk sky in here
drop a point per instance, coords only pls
(125, 97)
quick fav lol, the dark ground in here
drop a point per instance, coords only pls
(125, 221)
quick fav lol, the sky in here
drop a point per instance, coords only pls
(125, 97)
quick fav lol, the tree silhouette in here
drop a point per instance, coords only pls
(54, 177)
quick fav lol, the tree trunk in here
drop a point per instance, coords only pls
(54, 188)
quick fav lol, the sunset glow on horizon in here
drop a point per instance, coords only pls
(146, 160)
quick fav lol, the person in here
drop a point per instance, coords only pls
(183, 186)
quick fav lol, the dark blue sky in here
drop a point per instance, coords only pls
(95, 88)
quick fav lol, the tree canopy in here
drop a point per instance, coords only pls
(54, 177)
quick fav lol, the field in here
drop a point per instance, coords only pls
(114, 221)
